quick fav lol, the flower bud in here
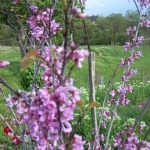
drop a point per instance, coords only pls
(82, 15)
(72, 45)
(4, 63)
(74, 10)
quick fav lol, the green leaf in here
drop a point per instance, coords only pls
(64, 4)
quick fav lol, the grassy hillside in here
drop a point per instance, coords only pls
(107, 58)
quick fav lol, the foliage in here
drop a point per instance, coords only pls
(7, 36)
(26, 78)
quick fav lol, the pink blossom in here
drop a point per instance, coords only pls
(78, 143)
(81, 15)
(105, 113)
(4, 63)
(15, 1)
(132, 72)
(101, 137)
(72, 45)
(83, 1)
(130, 88)
(141, 105)
(66, 127)
(130, 60)
(130, 30)
(74, 10)
(78, 56)
(123, 62)
(125, 78)
(138, 54)
(140, 39)
(12, 100)
(103, 124)
(113, 93)
(145, 23)
(34, 8)
(141, 126)
(127, 46)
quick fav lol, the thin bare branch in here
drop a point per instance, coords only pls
(3, 82)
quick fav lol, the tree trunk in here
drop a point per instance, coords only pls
(22, 43)
(114, 38)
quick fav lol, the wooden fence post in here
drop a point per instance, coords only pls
(91, 63)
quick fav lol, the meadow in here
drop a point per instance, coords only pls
(107, 58)
(106, 61)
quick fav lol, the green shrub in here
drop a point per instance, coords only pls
(26, 78)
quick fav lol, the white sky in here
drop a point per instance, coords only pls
(107, 7)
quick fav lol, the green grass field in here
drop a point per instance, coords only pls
(107, 58)
(11, 75)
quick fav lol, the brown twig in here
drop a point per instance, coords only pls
(3, 82)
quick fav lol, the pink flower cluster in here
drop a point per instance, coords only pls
(48, 111)
(136, 41)
(128, 140)
(145, 3)
(94, 143)
(131, 30)
(78, 57)
(118, 96)
(41, 23)
(145, 22)
(74, 11)
(78, 143)
(130, 59)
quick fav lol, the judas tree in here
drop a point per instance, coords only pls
(45, 113)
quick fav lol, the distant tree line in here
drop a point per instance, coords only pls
(110, 30)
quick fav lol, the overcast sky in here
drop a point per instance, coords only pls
(107, 7)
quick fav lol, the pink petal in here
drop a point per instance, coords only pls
(4, 63)
(82, 15)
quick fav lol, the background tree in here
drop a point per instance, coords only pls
(117, 25)
(7, 36)
(103, 25)
(15, 16)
